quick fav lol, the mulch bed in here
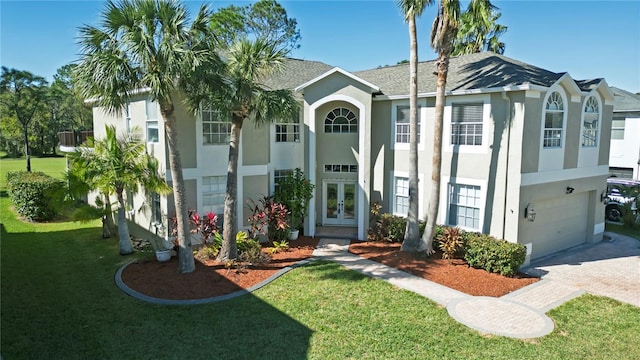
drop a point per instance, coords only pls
(211, 278)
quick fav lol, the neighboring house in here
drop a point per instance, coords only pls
(624, 156)
(525, 150)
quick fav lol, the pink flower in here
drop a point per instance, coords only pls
(211, 216)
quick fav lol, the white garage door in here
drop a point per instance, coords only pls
(560, 223)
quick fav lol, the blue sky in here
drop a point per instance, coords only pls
(587, 39)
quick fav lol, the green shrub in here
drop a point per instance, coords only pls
(35, 195)
(498, 256)
(629, 217)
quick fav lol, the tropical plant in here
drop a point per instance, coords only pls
(295, 193)
(478, 31)
(150, 45)
(114, 165)
(450, 241)
(442, 34)
(412, 9)
(21, 94)
(248, 64)
(268, 218)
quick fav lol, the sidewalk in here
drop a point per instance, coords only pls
(520, 314)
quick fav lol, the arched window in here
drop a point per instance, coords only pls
(553, 121)
(590, 122)
(341, 120)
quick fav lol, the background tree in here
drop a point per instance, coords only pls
(264, 19)
(149, 44)
(443, 33)
(478, 30)
(412, 9)
(75, 114)
(22, 92)
(114, 165)
(244, 97)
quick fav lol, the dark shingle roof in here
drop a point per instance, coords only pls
(474, 71)
(624, 100)
(297, 72)
(466, 72)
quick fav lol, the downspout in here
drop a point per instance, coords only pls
(506, 177)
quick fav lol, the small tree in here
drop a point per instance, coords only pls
(295, 192)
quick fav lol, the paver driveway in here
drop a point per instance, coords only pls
(608, 268)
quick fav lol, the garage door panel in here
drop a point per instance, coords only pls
(562, 223)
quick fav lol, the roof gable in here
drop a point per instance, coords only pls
(338, 70)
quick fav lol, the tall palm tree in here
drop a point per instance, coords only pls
(443, 33)
(114, 165)
(412, 9)
(152, 45)
(478, 31)
(248, 64)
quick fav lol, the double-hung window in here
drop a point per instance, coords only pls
(553, 121)
(466, 124)
(400, 195)
(214, 189)
(288, 130)
(464, 206)
(152, 121)
(617, 128)
(216, 128)
(402, 126)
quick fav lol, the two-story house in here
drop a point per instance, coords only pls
(525, 150)
(624, 156)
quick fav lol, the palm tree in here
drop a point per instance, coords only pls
(114, 165)
(248, 64)
(443, 33)
(478, 31)
(411, 9)
(151, 45)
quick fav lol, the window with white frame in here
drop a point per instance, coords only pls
(400, 195)
(617, 128)
(288, 130)
(341, 120)
(402, 126)
(466, 124)
(340, 168)
(216, 129)
(590, 123)
(214, 189)
(464, 206)
(152, 121)
(156, 210)
(553, 121)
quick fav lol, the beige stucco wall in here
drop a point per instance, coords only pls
(253, 187)
(187, 135)
(255, 144)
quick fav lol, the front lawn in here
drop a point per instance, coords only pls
(59, 301)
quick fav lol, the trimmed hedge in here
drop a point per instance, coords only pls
(35, 195)
(499, 256)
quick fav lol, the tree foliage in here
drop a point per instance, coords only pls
(478, 30)
(21, 94)
(264, 19)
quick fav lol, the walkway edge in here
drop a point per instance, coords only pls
(140, 296)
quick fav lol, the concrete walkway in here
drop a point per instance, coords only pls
(520, 314)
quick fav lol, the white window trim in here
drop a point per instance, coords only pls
(623, 128)
(422, 120)
(392, 192)
(597, 146)
(565, 110)
(201, 193)
(445, 203)
(200, 132)
(485, 99)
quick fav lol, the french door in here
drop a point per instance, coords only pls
(339, 202)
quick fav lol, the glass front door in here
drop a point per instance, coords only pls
(339, 202)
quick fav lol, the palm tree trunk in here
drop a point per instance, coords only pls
(186, 264)
(412, 236)
(108, 214)
(442, 66)
(126, 247)
(229, 248)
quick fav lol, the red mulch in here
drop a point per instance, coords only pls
(161, 280)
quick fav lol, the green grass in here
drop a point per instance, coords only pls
(59, 301)
(51, 166)
(624, 230)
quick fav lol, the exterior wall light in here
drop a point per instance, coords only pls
(569, 190)
(530, 213)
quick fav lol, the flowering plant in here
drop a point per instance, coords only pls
(206, 225)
